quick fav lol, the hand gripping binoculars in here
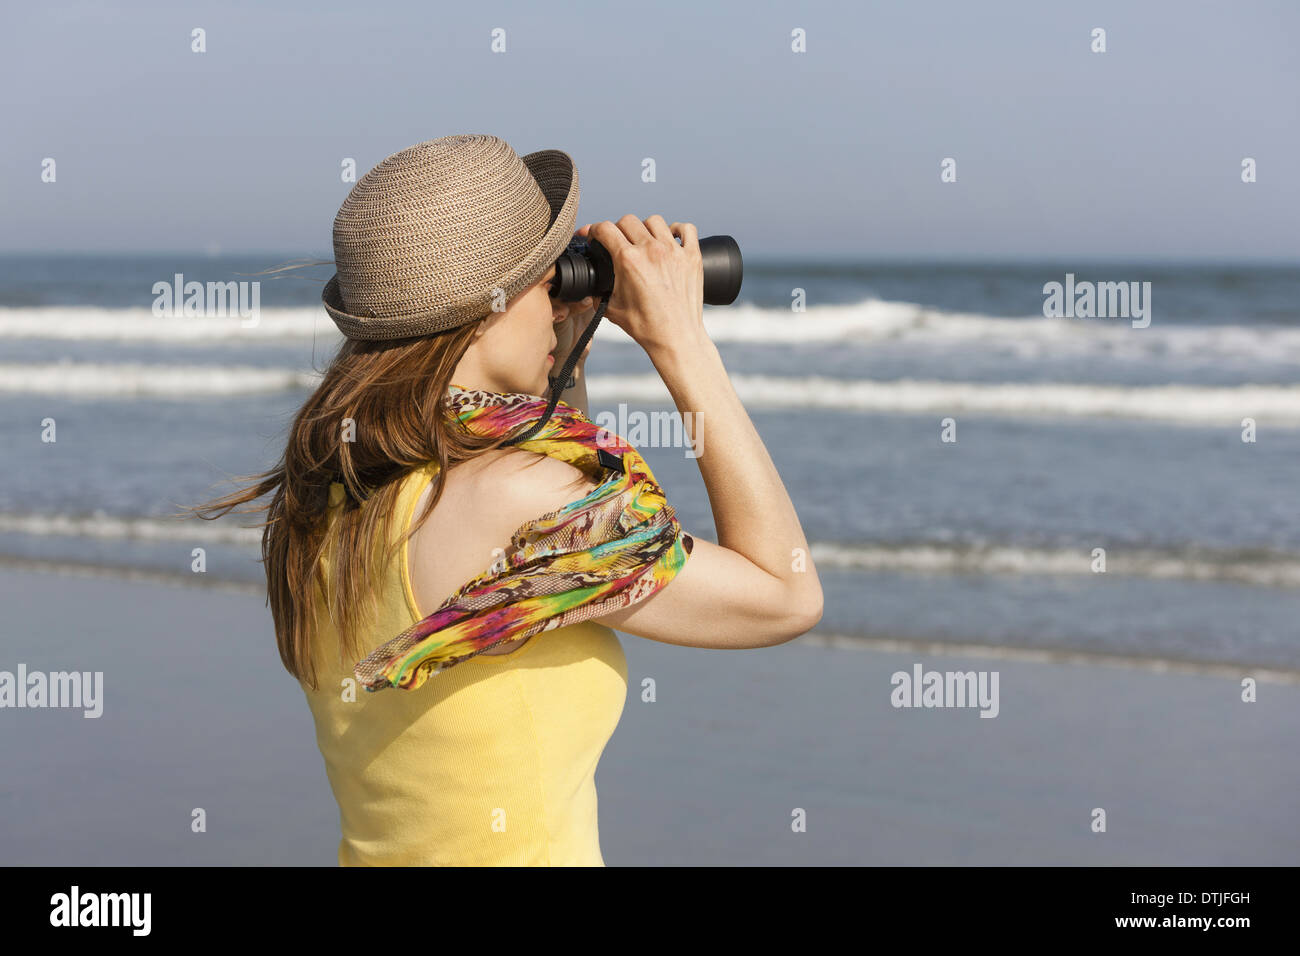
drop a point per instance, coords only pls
(584, 269)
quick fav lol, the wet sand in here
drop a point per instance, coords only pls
(199, 713)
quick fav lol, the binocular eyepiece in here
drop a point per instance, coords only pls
(585, 268)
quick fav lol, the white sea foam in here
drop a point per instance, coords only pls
(1193, 564)
(112, 527)
(1189, 404)
(1246, 566)
(877, 322)
(870, 322)
(86, 323)
(1054, 655)
(127, 379)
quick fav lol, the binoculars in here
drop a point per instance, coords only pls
(585, 268)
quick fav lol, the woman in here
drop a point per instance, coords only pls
(445, 253)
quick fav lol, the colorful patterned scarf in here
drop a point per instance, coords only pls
(615, 547)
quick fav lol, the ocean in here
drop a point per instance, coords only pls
(1077, 439)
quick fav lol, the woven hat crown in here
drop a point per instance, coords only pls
(439, 234)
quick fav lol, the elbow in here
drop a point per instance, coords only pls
(807, 613)
(812, 616)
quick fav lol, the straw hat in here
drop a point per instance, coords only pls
(431, 237)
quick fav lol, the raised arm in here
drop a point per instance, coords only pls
(757, 586)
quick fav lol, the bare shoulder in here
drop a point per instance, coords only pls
(485, 501)
(526, 482)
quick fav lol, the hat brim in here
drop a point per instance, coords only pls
(557, 176)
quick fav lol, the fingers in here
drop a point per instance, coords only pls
(609, 236)
(634, 229)
(690, 236)
(630, 230)
(658, 228)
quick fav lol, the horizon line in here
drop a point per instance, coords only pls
(764, 260)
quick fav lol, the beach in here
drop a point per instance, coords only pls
(199, 714)
(1038, 416)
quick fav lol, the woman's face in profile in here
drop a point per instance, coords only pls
(512, 353)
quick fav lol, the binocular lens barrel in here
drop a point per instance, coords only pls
(585, 269)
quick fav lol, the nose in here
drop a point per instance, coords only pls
(562, 309)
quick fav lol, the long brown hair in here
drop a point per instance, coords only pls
(393, 394)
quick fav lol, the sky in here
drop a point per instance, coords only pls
(832, 153)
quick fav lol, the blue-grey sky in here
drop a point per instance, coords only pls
(836, 152)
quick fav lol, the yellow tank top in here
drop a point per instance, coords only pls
(491, 762)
